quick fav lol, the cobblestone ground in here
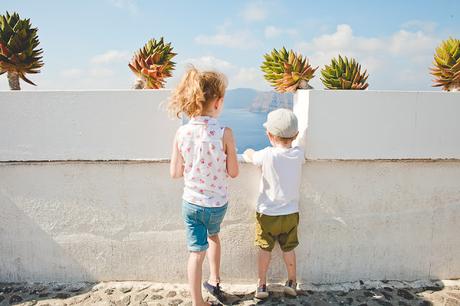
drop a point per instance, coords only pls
(145, 293)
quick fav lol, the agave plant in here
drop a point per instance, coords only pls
(446, 63)
(18, 49)
(344, 73)
(152, 64)
(287, 71)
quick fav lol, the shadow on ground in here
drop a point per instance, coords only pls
(33, 293)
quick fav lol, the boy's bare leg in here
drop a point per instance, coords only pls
(194, 272)
(290, 261)
(213, 254)
(263, 263)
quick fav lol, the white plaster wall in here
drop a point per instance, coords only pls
(356, 124)
(122, 221)
(361, 219)
(85, 125)
(132, 125)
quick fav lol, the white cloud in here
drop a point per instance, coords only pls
(419, 25)
(101, 72)
(111, 56)
(238, 40)
(130, 5)
(108, 70)
(273, 31)
(255, 12)
(209, 62)
(72, 73)
(411, 43)
(248, 77)
(342, 40)
(393, 61)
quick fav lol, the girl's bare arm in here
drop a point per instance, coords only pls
(176, 167)
(230, 150)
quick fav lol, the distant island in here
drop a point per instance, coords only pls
(257, 101)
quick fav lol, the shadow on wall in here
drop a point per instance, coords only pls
(29, 238)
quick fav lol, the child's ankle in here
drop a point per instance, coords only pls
(214, 281)
(260, 282)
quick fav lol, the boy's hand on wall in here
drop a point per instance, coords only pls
(247, 155)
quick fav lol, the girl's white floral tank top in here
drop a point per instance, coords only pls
(205, 162)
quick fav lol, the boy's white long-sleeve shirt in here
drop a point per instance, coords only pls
(280, 180)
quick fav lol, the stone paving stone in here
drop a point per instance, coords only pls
(144, 293)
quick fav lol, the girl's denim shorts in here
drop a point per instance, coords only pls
(201, 222)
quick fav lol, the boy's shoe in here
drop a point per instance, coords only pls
(261, 292)
(214, 291)
(290, 288)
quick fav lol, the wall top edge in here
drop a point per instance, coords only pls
(167, 160)
(169, 89)
(377, 91)
(86, 90)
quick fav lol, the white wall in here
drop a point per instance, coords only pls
(119, 220)
(122, 220)
(85, 125)
(356, 124)
(129, 124)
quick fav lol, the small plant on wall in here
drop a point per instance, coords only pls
(287, 71)
(446, 63)
(344, 73)
(152, 64)
(19, 53)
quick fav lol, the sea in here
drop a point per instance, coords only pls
(247, 128)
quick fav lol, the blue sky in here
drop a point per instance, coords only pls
(88, 43)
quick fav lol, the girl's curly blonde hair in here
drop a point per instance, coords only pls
(195, 91)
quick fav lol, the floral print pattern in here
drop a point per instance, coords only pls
(205, 162)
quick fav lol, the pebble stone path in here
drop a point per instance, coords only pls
(147, 293)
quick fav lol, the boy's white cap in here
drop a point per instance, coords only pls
(282, 123)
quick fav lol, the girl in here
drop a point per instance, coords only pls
(204, 154)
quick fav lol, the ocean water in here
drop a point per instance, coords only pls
(247, 128)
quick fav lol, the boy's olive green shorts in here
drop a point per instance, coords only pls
(283, 229)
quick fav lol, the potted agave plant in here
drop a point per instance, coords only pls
(152, 64)
(287, 71)
(446, 63)
(344, 73)
(19, 53)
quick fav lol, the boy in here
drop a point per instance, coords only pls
(277, 215)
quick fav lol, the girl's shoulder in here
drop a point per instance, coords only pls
(183, 131)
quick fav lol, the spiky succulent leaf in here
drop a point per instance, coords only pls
(344, 73)
(152, 63)
(286, 70)
(446, 63)
(19, 51)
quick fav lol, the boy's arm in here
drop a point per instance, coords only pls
(230, 151)
(176, 167)
(255, 157)
(248, 155)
